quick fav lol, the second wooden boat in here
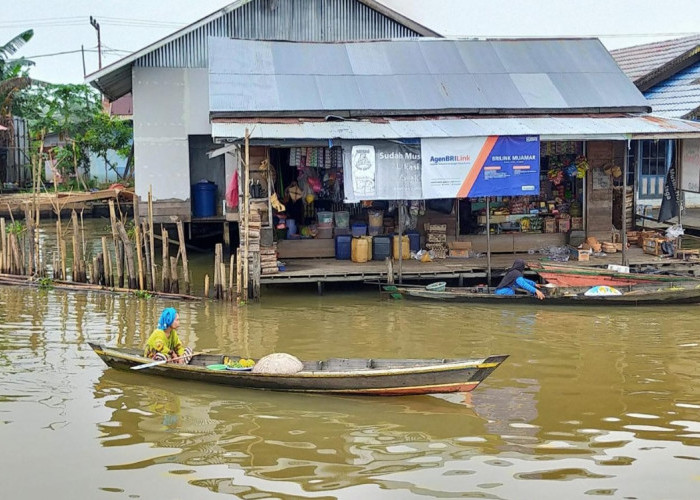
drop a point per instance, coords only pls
(562, 297)
(565, 275)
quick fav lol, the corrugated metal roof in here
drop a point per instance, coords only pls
(643, 62)
(679, 96)
(580, 127)
(309, 20)
(417, 76)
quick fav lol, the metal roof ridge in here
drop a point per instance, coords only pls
(372, 4)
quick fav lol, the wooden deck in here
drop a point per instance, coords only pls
(332, 270)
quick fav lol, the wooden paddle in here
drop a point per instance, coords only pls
(161, 362)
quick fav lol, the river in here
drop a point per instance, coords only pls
(591, 402)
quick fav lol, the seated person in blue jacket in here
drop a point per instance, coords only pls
(514, 279)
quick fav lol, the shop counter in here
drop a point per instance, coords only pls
(515, 242)
(309, 248)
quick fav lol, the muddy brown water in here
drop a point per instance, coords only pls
(591, 402)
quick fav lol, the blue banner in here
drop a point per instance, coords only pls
(511, 168)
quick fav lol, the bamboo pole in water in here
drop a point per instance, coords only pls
(129, 255)
(239, 281)
(206, 285)
(224, 289)
(29, 220)
(64, 253)
(230, 278)
(166, 260)
(59, 270)
(183, 252)
(217, 271)
(117, 247)
(147, 254)
(137, 235)
(151, 236)
(246, 213)
(174, 282)
(17, 267)
(3, 247)
(78, 268)
(109, 281)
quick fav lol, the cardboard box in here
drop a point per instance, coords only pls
(563, 225)
(550, 225)
(460, 248)
(579, 254)
(577, 223)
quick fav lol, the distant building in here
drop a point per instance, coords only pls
(668, 74)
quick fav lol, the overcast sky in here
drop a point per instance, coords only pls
(62, 26)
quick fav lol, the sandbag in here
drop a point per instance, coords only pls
(279, 363)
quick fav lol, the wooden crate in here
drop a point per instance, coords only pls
(652, 246)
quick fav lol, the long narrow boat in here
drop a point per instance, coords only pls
(578, 276)
(639, 297)
(381, 377)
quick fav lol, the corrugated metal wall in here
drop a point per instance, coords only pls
(298, 20)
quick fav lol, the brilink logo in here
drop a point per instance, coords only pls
(438, 160)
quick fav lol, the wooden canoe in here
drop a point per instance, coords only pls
(381, 377)
(567, 275)
(635, 297)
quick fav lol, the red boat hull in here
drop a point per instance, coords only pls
(562, 279)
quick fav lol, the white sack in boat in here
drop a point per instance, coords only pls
(279, 363)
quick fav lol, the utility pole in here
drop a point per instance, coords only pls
(96, 25)
(82, 50)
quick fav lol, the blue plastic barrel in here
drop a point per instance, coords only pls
(413, 241)
(204, 199)
(343, 247)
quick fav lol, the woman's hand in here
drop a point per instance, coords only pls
(539, 295)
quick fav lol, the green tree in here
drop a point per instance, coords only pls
(13, 78)
(75, 114)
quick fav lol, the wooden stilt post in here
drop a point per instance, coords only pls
(117, 247)
(129, 255)
(183, 252)
(76, 248)
(166, 260)
(230, 282)
(59, 270)
(3, 247)
(151, 235)
(246, 215)
(218, 291)
(174, 282)
(139, 248)
(109, 281)
(239, 279)
(147, 251)
(29, 220)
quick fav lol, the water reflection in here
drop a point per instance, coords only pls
(321, 442)
(591, 402)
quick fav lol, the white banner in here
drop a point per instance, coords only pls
(690, 165)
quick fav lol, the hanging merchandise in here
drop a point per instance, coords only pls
(232, 191)
(413, 218)
(294, 191)
(581, 166)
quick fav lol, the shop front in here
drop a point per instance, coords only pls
(527, 193)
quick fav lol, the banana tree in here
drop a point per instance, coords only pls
(13, 78)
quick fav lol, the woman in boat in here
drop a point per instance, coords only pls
(164, 344)
(514, 278)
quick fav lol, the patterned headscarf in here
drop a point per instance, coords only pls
(167, 318)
